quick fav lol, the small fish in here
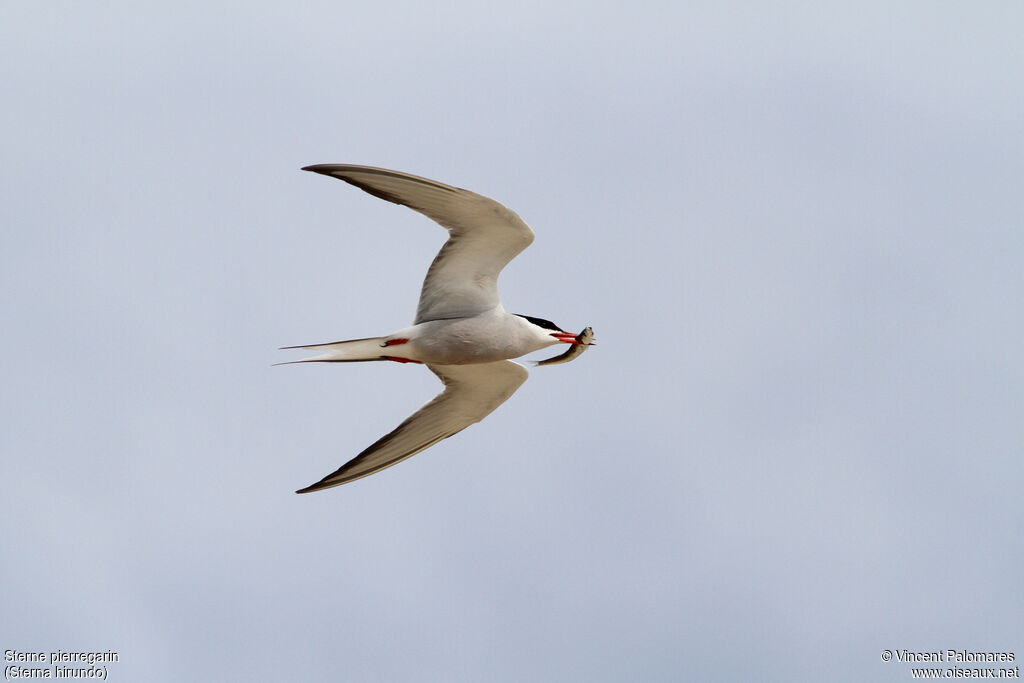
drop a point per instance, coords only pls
(584, 340)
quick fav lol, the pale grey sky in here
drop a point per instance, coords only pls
(796, 230)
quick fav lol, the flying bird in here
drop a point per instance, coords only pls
(461, 331)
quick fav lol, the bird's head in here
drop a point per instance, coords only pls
(553, 330)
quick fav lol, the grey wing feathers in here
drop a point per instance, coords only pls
(471, 393)
(484, 237)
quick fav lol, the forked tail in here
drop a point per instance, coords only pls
(352, 351)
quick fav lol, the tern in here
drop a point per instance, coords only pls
(461, 331)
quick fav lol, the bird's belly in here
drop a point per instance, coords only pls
(460, 344)
(458, 352)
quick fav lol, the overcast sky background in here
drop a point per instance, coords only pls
(796, 230)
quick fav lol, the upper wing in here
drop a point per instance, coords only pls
(471, 393)
(484, 236)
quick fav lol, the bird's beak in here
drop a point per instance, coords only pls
(566, 337)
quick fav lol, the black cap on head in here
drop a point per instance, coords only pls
(541, 322)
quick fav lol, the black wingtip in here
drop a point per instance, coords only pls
(319, 486)
(317, 168)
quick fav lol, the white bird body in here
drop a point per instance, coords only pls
(461, 331)
(490, 336)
